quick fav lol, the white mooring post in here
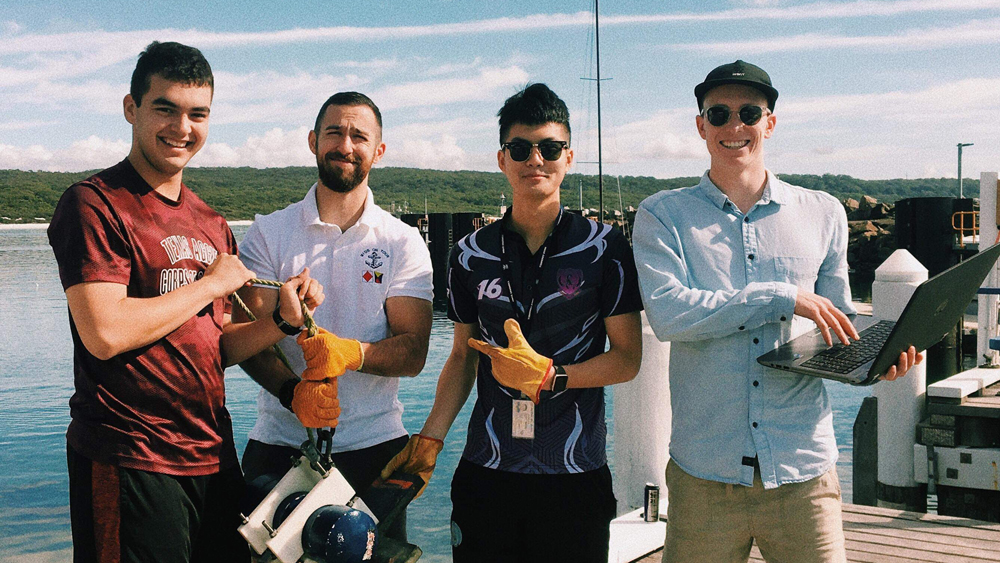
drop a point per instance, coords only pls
(642, 418)
(900, 402)
(988, 201)
(642, 425)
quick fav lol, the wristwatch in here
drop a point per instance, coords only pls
(560, 379)
(283, 324)
(287, 392)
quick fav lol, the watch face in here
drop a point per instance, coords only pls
(560, 382)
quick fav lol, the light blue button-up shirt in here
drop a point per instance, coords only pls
(720, 286)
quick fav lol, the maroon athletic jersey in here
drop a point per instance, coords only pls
(160, 407)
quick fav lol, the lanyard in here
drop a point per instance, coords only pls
(524, 318)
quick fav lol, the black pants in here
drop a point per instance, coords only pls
(504, 517)
(359, 467)
(133, 516)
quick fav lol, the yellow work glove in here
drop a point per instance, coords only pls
(419, 457)
(518, 365)
(328, 355)
(315, 403)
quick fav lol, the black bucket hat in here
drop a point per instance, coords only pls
(739, 72)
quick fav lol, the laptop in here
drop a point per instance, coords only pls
(933, 310)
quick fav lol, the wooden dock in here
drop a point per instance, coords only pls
(882, 535)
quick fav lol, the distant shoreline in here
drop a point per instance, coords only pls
(15, 226)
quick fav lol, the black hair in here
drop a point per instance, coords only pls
(348, 99)
(535, 104)
(172, 61)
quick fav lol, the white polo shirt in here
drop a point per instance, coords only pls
(377, 258)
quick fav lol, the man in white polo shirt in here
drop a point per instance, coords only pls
(376, 272)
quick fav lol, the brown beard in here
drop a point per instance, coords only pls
(339, 181)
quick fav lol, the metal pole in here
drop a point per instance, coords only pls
(600, 169)
(960, 194)
(960, 145)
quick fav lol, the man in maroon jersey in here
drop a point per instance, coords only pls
(147, 267)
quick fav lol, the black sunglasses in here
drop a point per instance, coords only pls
(521, 150)
(719, 115)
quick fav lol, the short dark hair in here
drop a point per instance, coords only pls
(348, 99)
(172, 61)
(535, 104)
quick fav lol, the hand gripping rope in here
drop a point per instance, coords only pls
(318, 449)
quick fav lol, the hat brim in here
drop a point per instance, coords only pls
(769, 92)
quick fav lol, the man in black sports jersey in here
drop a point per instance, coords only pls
(538, 294)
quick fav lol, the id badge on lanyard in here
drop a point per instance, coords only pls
(523, 410)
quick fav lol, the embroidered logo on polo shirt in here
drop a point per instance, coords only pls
(570, 280)
(374, 257)
(372, 276)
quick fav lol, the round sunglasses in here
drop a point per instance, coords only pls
(719, 115)
(521, 150)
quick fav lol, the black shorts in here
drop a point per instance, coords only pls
(359, 467)
(499, 516)
(127, 515)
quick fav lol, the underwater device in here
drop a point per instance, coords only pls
(313, 514)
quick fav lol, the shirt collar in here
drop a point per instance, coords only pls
(774, 191)
(310, 210)
(506, 219)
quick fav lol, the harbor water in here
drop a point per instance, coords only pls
(36, 381)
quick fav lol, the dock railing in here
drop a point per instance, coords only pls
(965, 224)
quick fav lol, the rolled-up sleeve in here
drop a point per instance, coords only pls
(678, 310)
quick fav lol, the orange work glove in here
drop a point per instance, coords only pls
(328, 355)
(315, 403)
(518, 365)
(418, 457)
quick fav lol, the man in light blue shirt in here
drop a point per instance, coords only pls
(728, 270)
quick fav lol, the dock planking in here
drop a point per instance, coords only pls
(883, 535)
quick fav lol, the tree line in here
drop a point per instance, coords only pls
(241, 193)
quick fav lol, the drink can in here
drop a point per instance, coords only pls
(651, 503)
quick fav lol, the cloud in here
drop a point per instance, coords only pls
(459, 127)
(28, 57)
(374, 64)
(665, 135)
(272, 97)
(86, 154)
(132, 41)
(22, 125)
(47, 63)
(440, 145)
(10, 27)
(90, 94)
(758, 2)
(962, 101)
(441, 153)
(484, 86)
(976, 32)
(274, 148)
(454, 68)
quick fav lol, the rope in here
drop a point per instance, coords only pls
(310, 326)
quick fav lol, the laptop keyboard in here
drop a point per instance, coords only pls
(845, 359)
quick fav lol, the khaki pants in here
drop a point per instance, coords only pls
(711, 522)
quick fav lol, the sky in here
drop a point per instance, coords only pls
(870, 88)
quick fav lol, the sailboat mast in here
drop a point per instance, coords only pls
(600, 169)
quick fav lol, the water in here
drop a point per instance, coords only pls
(36, 381)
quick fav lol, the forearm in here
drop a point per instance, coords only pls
(111, 323)
(619, 364)
(677, 311)
(267, 370)
(609, 368)
(241, 341)
(402, 355)
(453, 389)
